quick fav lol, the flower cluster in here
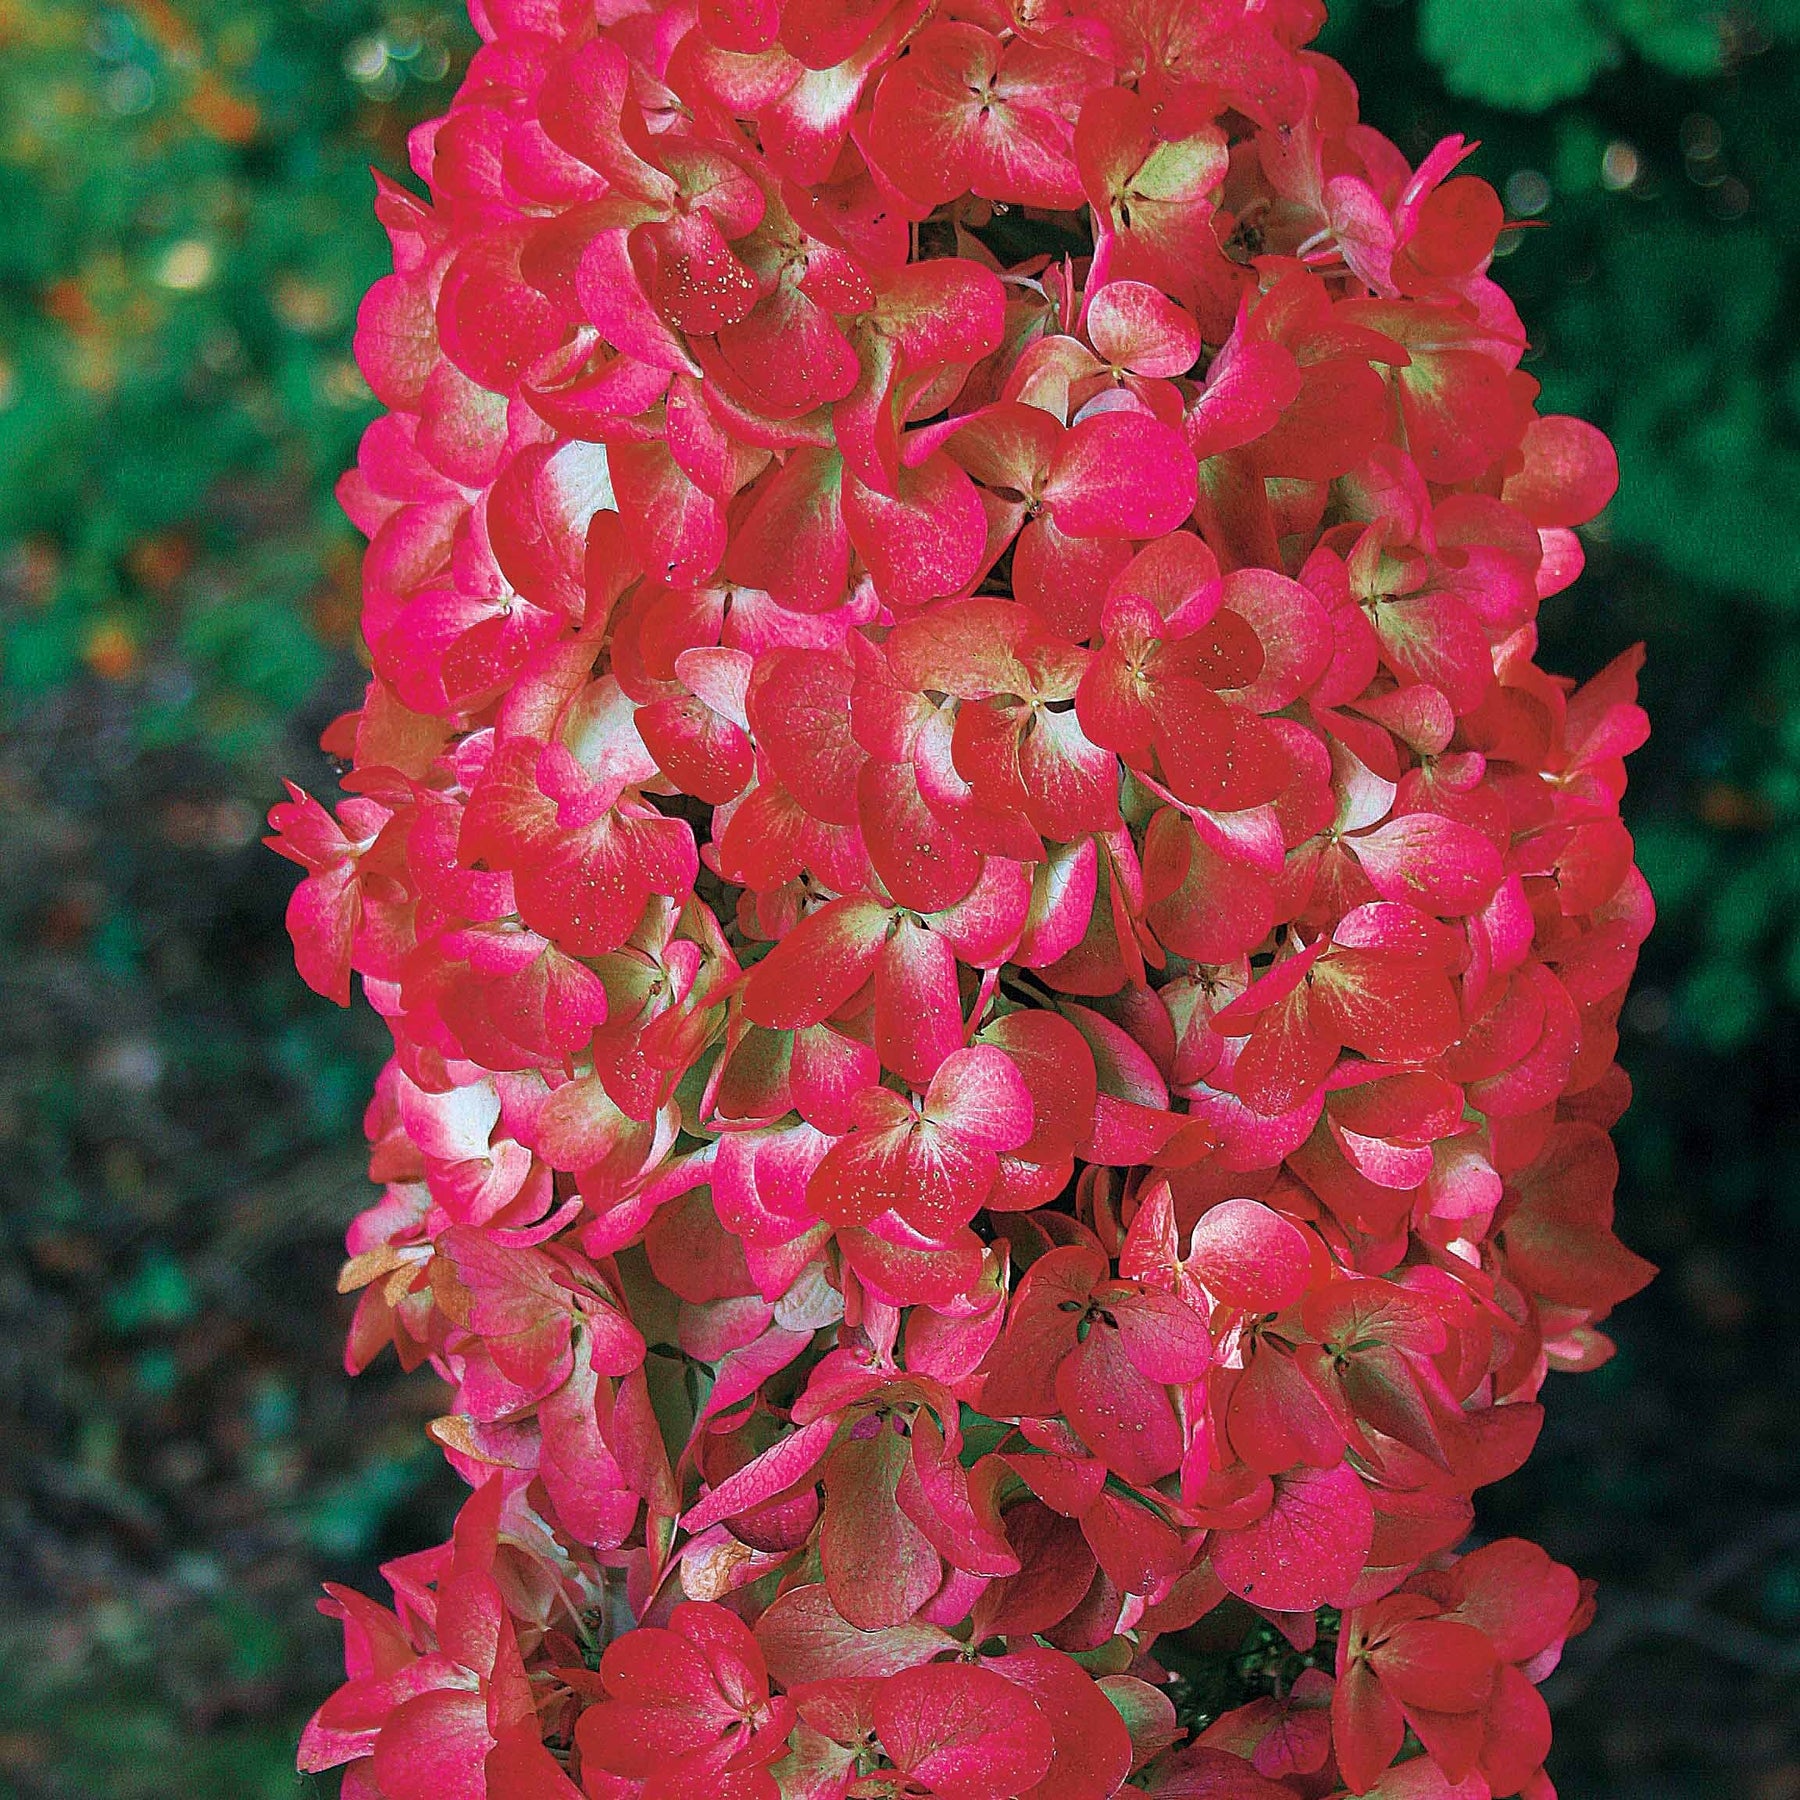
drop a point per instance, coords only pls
(1002, 966)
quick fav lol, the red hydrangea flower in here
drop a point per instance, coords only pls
(686, 1712)
(1102, 1354)
(1454, 1656)
(1003, 968)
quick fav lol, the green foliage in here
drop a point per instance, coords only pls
(346, 1519)
(1526, 55)
(186, 196)
(114, 1734)
(1232, 1658)
(159, 1294)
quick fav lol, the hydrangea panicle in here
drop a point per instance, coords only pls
(1003, 968)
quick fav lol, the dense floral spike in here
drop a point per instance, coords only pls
(1002, 966)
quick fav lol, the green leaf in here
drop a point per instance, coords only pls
(980, 1434)
(1524, 55)
(1680, 36)
(159, 1294)
(1677, 860)
(1723, 1003)
(1782, 17)
(347, 1518)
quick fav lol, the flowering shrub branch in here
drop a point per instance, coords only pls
(1002, 967)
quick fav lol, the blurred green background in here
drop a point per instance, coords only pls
(187, 229)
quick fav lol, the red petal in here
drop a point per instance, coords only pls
(1121, 475)
(981, 1097)
(963, 1732)
(1092, 1747)
(799, 709)
(1199, 1772)
(924, 542)
(1431, 861)
(1570, 472)
(1137, 327)
(1057, 1067)
(1248, 1255)
(1122, 1416)
(818, 965)
(1367, 1727)
(1437, 1664)
(805, 1638)
(1308, 1549)
(918, 1011)
(432, 1748)
(924, 864)
(1517, 1595)
(793, 543)
(1518, 1733)
(880, 1568)
(676, 528)
(1164, 1338)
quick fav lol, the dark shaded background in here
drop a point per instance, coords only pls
(187, 230)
